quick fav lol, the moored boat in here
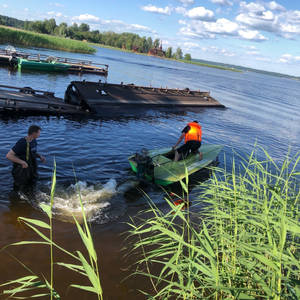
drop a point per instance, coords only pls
(51, 66)
(159, 167)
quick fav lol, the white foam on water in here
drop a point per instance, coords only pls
(94, 198)
(101, 203)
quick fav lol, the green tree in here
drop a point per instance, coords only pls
(156, 43)
(187, 56)
(61, 30)
(38, 26)
(83, 27)
(169, 52)
(50, 26)
(150, 43)
(178, 54)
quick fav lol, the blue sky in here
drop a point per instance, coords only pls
(258, 34)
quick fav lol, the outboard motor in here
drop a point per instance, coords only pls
(144, 164)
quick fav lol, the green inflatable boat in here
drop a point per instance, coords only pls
(51, 66)
(158, 166)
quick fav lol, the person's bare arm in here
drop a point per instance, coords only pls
(11, 155)
(179, 140)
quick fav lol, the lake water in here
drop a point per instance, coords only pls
(260, 108)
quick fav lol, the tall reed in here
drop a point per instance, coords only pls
(20, 37)
(87, 267)
(244, 243)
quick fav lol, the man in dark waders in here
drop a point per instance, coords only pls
(23, 155)
(192, 135)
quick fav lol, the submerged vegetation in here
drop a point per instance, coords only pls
(15, 36)
(243, 245)
(239, 240)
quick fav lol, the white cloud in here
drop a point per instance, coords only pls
(218, 51)
(120, 26)
(180, 10)
(262, 58)
(288, 59)
(221, 26)
(200, 13)
(253, 35)
(275, 6)
(55, 14)
(190, 45)
(270, 17)
(253, 52)
(187, 2)
(86, 18)
(56, 4)
(254, 8)
(4, 5)
(222, 2)
(158, 10)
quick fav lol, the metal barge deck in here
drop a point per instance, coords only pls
(98, 95)
(16, 100)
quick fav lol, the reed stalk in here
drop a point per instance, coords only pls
(33, 282)
(245, 243)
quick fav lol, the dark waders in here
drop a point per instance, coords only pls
(25, 178)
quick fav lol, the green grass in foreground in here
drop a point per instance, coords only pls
(245, 243)
(25, 38)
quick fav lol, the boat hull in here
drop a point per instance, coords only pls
(167, 171)
(42, 66)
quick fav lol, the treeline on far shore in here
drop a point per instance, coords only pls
(82, 32)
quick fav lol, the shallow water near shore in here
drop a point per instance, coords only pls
(260, 108)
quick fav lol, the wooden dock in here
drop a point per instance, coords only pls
(29, 101)
(80, 66)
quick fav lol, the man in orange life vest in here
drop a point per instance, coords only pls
(192, 135)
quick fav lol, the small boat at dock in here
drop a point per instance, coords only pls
(47, 66)
(41, 62)
(158, 166)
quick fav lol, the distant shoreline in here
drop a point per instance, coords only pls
(20, 37)
(171, 59)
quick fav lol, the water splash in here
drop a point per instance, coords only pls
(101, 203)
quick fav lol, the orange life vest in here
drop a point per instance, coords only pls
(194, 134)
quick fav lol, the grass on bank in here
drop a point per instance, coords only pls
(14, 36)
(37, 285)
(245, 243)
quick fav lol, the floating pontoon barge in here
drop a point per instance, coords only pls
(98, 95)
(14, 100)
